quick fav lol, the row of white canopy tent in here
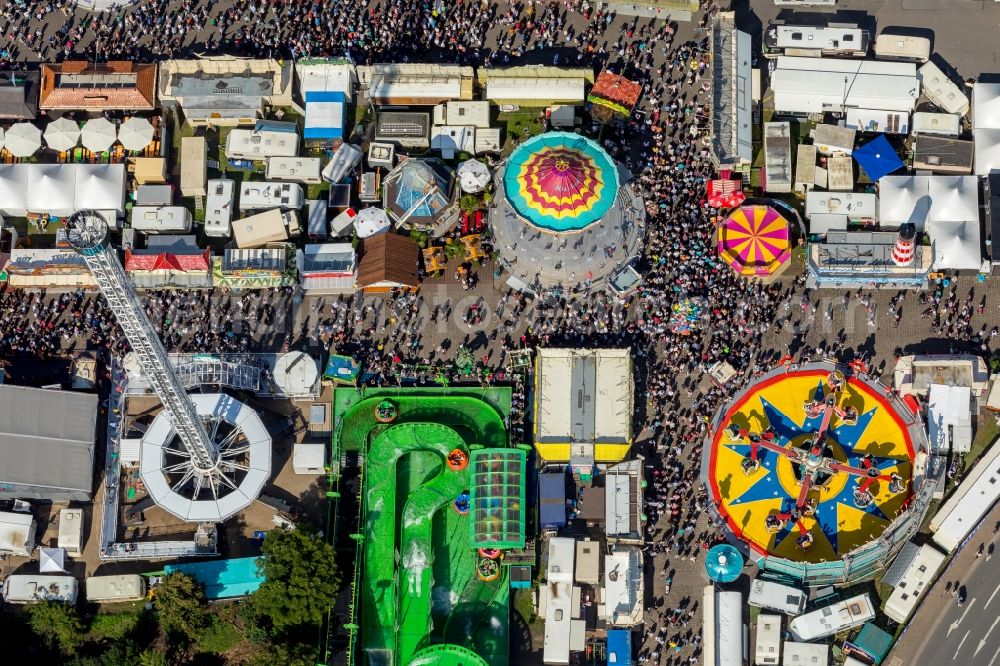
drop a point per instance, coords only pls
(945, 206)
(60, 189)
(986, 127)
(97, 135)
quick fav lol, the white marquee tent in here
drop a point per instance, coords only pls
(986, 126)
(61, 189)
(13, 190)
(100, 186)
(52, 560)
(956, 245)
(50, 189)
(924, 200)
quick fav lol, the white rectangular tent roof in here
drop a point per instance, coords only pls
(13, 190)
(51, 188)
(949, 406)
(100, 187)
(924, 200)
(956, 245)
(986, 126)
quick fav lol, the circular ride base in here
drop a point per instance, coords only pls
(746, 495)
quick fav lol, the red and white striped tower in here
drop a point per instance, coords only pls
(902, 252)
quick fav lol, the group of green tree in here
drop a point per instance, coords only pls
(277, 624)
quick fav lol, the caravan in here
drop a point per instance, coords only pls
(777, 597)
(161, 219)
(832, 619)
(260, 196)
(107, 589)
(219, 207)
(903, 48)
(843, 40)
(17, 533)
(941, 90)
(27, 589)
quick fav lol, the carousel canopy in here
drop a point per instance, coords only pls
(755, 240)
(560, 181)
(723, 563)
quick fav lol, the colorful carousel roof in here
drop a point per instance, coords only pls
(755, 240)
(808, 465)
(560, 181)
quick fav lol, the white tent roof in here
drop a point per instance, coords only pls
(986, 106)
(51, 188)
(17, 533)
(100, 186)
(13, 189)
(987, 145)
(956, 245)
(52, 560)
(953, 198)
(371, 221)
(925, 200)
(949, 406)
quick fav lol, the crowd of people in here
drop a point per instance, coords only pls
(412, 337)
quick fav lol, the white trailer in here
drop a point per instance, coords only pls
(837, 40)
(974, 497)
(17, 533)
(262, 195)
(271, 226)
(777, 597)
(294, 169)
(902, 48)
(941, 90)
(767, 651)
(27, 589)
(219, 207)
(161, 219)
(71, 531)
(832, 619)
(914, 582)
(105, 589)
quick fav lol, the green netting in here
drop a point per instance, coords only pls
(497, 498)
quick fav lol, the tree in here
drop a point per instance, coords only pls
(58, 624)
(151, 657)
(180, 606)
(301, 579)
(469, 203)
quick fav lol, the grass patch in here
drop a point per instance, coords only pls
(220, 636)
(988, 431)
(524, 605)
(520, 126)
(114, 626)
(317, 190)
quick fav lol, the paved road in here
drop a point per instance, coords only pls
(963, 32)
(941, 632)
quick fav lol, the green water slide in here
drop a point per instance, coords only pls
(401, 606)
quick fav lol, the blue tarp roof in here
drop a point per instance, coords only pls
(223, 579)
(877, 158)
(619, 647)
(324, 114)
(552, 499)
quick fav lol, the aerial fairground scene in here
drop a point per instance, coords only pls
(499, 332)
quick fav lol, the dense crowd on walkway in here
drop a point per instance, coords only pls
(411, 336)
